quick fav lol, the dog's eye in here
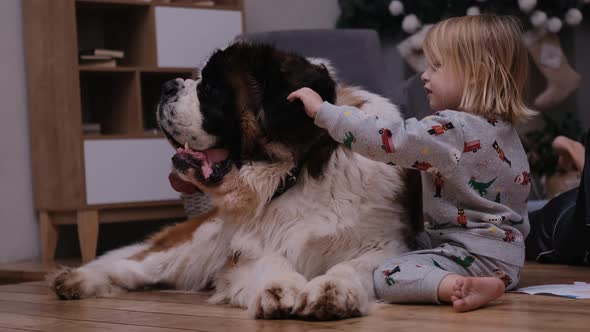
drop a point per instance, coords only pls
(205, 90)
(202, 90)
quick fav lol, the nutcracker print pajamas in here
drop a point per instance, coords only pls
(474, 199)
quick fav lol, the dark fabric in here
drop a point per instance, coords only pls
(560, 231)
(356, 54)
(412, 99)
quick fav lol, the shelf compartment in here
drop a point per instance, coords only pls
(151, 85)
(119, 26)
(111, 171)
(112, 100)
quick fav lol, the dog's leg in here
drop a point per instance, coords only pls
(268, 286)
(108, 275)
(162, 259)
(345, 291)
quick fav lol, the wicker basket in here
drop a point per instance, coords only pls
(196, 204)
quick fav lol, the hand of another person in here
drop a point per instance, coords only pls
(311, 100)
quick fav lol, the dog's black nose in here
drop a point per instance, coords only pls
(170, 87)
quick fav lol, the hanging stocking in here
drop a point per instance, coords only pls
(411, 49)
(562, 80)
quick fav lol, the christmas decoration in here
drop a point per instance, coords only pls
(547, 54)
(411, 49)
(411, 14)
(539, 16)
(541, 19)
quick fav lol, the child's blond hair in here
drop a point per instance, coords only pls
(488, 52)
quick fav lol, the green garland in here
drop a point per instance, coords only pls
(376, 14)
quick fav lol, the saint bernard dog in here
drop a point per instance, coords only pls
(300, 222)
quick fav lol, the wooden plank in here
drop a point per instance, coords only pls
(5, 329)
(26, 288)
(87, 233)
(188, 311)
(36, 323)
(184, 322)
(31, 270)
(511, 313)
(54, 104)
(203, 310)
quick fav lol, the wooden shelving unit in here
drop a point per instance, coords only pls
(71, 169)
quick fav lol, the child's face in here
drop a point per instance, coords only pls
(444, 88)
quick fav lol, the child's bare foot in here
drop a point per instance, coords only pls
(472, 293)
(570, 152)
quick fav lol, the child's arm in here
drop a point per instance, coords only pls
(433, 144)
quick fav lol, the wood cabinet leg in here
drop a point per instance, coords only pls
(87, 233)
(49, 235)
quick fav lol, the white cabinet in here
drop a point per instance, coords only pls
(186, 37)
(127, 170)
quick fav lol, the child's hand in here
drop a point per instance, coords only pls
(311, 100)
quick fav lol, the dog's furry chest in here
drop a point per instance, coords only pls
(318, 224)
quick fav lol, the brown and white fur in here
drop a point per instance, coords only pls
(309, 253)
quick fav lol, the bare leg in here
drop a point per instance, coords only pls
(469, 293)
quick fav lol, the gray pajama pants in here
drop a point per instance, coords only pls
(414, 277)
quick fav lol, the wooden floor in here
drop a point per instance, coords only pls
(31, 270)
(28, 306)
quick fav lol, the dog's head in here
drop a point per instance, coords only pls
(236, 112)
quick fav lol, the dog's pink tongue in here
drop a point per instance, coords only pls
(180, 185)
(207, 158)
(213, 156)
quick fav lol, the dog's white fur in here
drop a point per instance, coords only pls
(309, 253)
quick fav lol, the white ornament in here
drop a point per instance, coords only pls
(473, 11)
(411, 23)
(396, 7)
(538, 18)
(527, 5)
(554, 24)
(573, 16)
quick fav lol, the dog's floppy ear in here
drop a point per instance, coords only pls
(315, 73)
(286, 121)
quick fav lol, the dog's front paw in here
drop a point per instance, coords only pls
(74, 284)
(276, 300)
(329, 298)
(66, 283)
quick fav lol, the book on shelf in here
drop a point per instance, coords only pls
(91, 128)
(99, 63)
(116, 54)
(153, 131)
(95, 57)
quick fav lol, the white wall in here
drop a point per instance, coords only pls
(18, 225)
(264, 15)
